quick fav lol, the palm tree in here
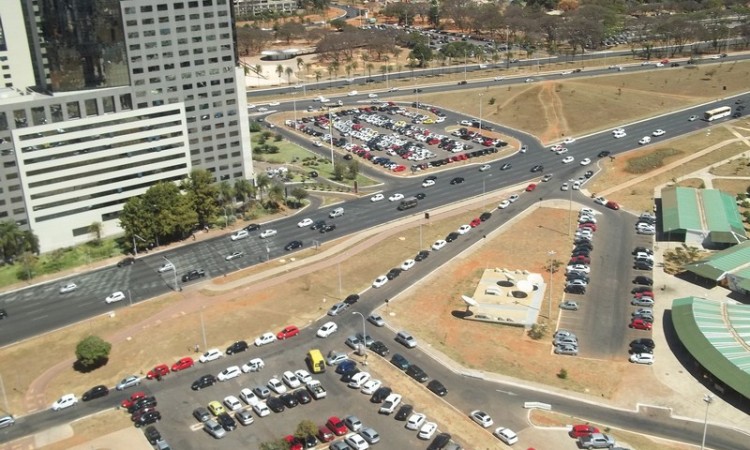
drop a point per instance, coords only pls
(262, 181)
(318, 76)
(96, 229)
(258, 71)
(289, 72)
(279, 71)
(275, 195)
(300, 63)
(10, 236)
(243, 191)
(226, 193)
(370, 66)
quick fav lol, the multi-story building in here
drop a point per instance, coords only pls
(105, 98)
(247, 8)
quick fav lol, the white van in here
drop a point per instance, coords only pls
(338, 212)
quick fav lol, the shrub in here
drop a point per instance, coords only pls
(562, 374)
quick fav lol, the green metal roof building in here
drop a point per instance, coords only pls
(730, 268)
(708, 217)
(717, 335)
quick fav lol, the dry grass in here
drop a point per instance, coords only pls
(738, 167)
(85, 429)
(692, 183)
(731, 186)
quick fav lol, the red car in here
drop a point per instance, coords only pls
(289, 331)
(530, 187)
(182, 364)
(294, 443)
(475, 222)
(644, 294)
(128, 402)
(640, 324)
(582, 431)
(579, 260)
(612, 205)
(337, 426)
(589, 225)
(325, 435)
(158, 371)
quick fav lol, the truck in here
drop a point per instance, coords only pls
(316, 389)
(596, 440)
(335, 104)
(194, 275)
(407, 203)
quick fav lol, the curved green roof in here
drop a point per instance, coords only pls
(718, 336)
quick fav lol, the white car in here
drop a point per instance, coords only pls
(503, 204)
(485, 168)
(371, 386)
(276, 385)
(327, 329)
(274, 104)
(415, 421)
(396, 197)
(576, 185)
(428, 183)
(261, 409)
(427, 430)
(249, 397)
(600, 200)
(567, 72)
(586, 212)
(642, 358)
(352, 93)
(265, 338)
(166, 267)
(268, 233)
(229, 373)
(232, 403)
(586, 219)
(440, 243)
(380, 281)
(578, 268)
(241, 234)
(115, 297)
(499, 78)
(390, 404)
(250, 106)
(254, 365)
(66, 401)
(482, 418)
(358, 380)
(569, 140)
(373, 95)
(408, 264)
(658, 133)
(303, 376)
(211, 355)
(291, 379)
(306, 222)
(377, 197)
(645, 140)
(568, 159)
(513, 198)
(586, 161)
(463, 229)
(562, 150)
(506, 435)
(619, 134)
(564, 187)
(70, 287)
(356, 442)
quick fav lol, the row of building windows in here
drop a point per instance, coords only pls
(181, 41)
(176, 6)
(39, 115)
(168, 31)
(183, 64)
(180, 53)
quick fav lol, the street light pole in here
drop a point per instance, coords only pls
(294, 102)
(550, 254)
(174, 269)
(203, 330)
(570, 207)
(480, 113)
(363, 344)
(466, 62)
(708, 398)
(330, 132)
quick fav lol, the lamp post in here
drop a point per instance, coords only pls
(708, 398)
(363, 344)
(203, 330)
(330, 133)
(550, 254)
(226, 217)
(480, 112)
(466, 62)
(570, 206)
(174, 269)
(294, 102)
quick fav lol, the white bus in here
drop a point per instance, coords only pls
(717, 113)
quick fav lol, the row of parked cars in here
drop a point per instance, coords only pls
(643, 298)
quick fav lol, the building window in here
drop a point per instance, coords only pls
(133, 35)
(74, 110)
(165, 31)
(161, 7)
(164, 19)
(92, 109)
(166, 43)
(147, 8)
(147, 21)
(109, 104)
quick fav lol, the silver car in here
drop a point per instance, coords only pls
(337, 308)
(128, 382)
(566, 349)
(370, 435)
(569, 305)
(213, 428)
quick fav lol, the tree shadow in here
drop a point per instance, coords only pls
(80, 367)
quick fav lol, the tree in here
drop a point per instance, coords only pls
(279, 71)
(422, 54)
(262, 182)
(244, 191)
(201, 193)
(14, 241)
(352, 169)
(277, 444)
(275, 196)
(96, 229)
(92, 352)
(28, 263)
(338, 172)
(306, 428)
(299, 194)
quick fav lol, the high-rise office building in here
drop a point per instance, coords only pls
(104, 98)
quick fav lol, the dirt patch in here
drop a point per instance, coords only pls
(739, 167)
(731, 186)
(88, 428)
(692, 183)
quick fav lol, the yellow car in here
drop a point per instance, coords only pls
(428, 121)
(216, 408)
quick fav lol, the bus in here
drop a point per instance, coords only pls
(717, 113)
(315, 361)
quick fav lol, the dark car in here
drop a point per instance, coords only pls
(203, 382)
(393, 273)
(417, 373)
(437, 388)
(201, 414)
(380, 348)
(3, 314)
(640, 348)
(575, 289)
(126, 262)
(310, 441)
(737, 114)
(237, 347)
(289, 399)
(643, 281)
(275, 404)
(462, 82)
(648, 342)
(252, 227)
(148, 418)
(193, 275)
(303, 397)
(415, 90)
(226, 421)
(485, 216)
(146, 402)
(603, 153)
(422, 255)
(345, 366)
(537, 168)
(348, 375)
(452, 236)
(577, 276)
(95, 392)
(399, 361)
(293, 245)
(152, 434)
(580, 252)
(351, 299)
(457, 180)
(380, 395)
(641, 289)
(506, 166)
(642, 250)
(440, 442)
(583, 247)
(318, 224)
(328, 228)
(420, 196)
(589, 174)
(643, 265)
(404, 412)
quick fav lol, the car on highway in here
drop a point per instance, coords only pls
(268, 233)
(457, 180)
(504, 204)
(327, 329)
(287, 332)
(644, 140)
(234, 255)
(440, 243)
(692, 118)
(506, 166)
(66, 401)
(95, 392)
(115, 297)
(128, 382)
(428, 183)
(546, 178)
(265, 338)
(70, 287)
(293, 245)
(537, 168)
(239, 234)
(603, 153)
(569, 305)
(337, 308)
(568, 160)
(396, 197)
(530, 187)
(658, 133)
(377, 197)
(463, 229)
(380, 281)
(408, 264)
(306, 222)
(484, 167)
(166, 267)
(585, 161)
(481, 418)
(254, 365)
(211, 355)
